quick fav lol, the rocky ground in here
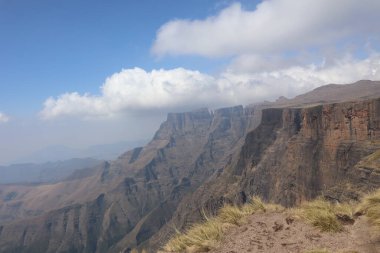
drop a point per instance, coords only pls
(279, 232)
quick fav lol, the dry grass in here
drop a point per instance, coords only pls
(257, 205)
(232, 214)
(372, 161)
(326, 251)
(136, 251)
(370, 206)
(320, 213)
(200, 237)
(324, 215)
(206, 236)
(317, 251)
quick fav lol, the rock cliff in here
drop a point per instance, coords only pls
(295, 154)
(285, 152)
(132, 197)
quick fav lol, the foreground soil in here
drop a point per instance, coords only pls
(279, 232)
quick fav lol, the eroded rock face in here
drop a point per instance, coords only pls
(196, 162)
(138, 193)
(314, 150)
(295, 154)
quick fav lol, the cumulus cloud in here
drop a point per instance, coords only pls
(297, 79)
(3, 118)
(167, 90)
(262, 42)
(274, 26)
(135, 90)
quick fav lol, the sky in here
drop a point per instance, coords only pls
(80, 72)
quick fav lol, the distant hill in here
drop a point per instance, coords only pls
(49, 172)
(334, 93)
(60, 152)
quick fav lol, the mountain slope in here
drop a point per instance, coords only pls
(49, 172)
(198, 161)
(295, 154)
(141, 188)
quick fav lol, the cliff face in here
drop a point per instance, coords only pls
(314, 150)
(132, 197)
(295, 154)
(196, 162)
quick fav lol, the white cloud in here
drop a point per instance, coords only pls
(135, 90)
(3, 118)
(167, 90)
(274, 26)
(323, 34)
(297, 79)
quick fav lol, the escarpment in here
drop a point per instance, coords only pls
(286, 152)
(315, 150)
(135, 195)
(295, 154)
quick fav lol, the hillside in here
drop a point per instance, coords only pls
(295, 154)
(316, 226)
(49, 172)
(285, 153)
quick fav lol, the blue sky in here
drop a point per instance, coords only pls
(51, 47)
(80, 73)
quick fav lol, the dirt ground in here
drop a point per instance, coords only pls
(278, 232)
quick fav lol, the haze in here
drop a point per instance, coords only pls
(82, 73)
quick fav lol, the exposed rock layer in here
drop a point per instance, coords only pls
(196, 162)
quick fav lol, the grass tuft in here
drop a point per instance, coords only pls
(206, 236)
(318, 251)
(320, 213)
(370, 206)
(200, 237)
(232, 214)
(323, 215)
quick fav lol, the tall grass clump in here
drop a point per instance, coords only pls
(326, 216)
(200, 237)
(318, 251)
(206, 236)
(370, 206)
(232, 214)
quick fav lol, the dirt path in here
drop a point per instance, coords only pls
(277, 232)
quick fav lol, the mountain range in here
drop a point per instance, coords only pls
(49, 172)
(60, 153)
(286, 151)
